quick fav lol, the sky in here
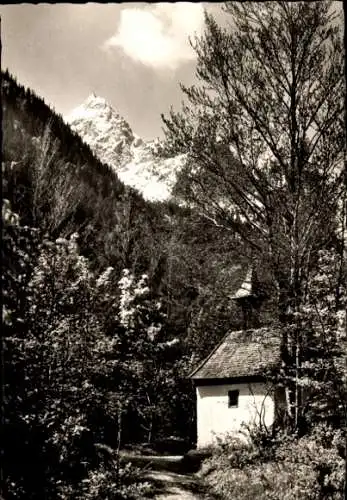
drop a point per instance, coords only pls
(132, 54)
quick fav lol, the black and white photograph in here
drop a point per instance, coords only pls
(174, 251)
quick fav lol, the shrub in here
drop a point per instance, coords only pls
(321, 452)
(193, 459)
(103, 483)
(285, 468)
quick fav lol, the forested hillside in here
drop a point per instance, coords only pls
(109, 301)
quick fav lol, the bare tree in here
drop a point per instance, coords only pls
(264, 138)
(55, 193)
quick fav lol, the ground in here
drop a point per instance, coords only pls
(174, 486)
(172, 476)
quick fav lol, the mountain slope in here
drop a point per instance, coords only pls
(56, 183)
(112, 140)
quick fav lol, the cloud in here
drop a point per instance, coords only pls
(157, 36)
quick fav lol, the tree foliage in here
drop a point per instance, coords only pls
(265, 141)
(87, 362)
(264, 129)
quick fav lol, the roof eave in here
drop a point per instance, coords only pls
(229, 380)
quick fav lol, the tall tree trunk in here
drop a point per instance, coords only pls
(119, 437)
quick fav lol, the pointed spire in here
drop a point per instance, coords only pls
(246, 288)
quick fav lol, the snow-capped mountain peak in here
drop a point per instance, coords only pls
(104, 129)
(92, 106)
(111, 138)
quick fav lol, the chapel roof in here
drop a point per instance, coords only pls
(244, 353)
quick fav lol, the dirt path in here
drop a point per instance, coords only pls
(173, 486)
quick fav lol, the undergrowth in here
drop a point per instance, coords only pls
(280, 467)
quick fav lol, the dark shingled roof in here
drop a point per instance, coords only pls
(241, 354)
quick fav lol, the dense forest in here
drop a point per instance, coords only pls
(79, 247)
(110, 301)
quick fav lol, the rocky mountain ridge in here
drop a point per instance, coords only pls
(136, 162)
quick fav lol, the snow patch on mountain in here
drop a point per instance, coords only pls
(136, 162)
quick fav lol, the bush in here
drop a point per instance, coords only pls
(270, 481)
(103, 483)
(321, 452)
(285, 468)
(192, 460)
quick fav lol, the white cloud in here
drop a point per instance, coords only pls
(157, 36)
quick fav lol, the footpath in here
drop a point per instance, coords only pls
(175, 486)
